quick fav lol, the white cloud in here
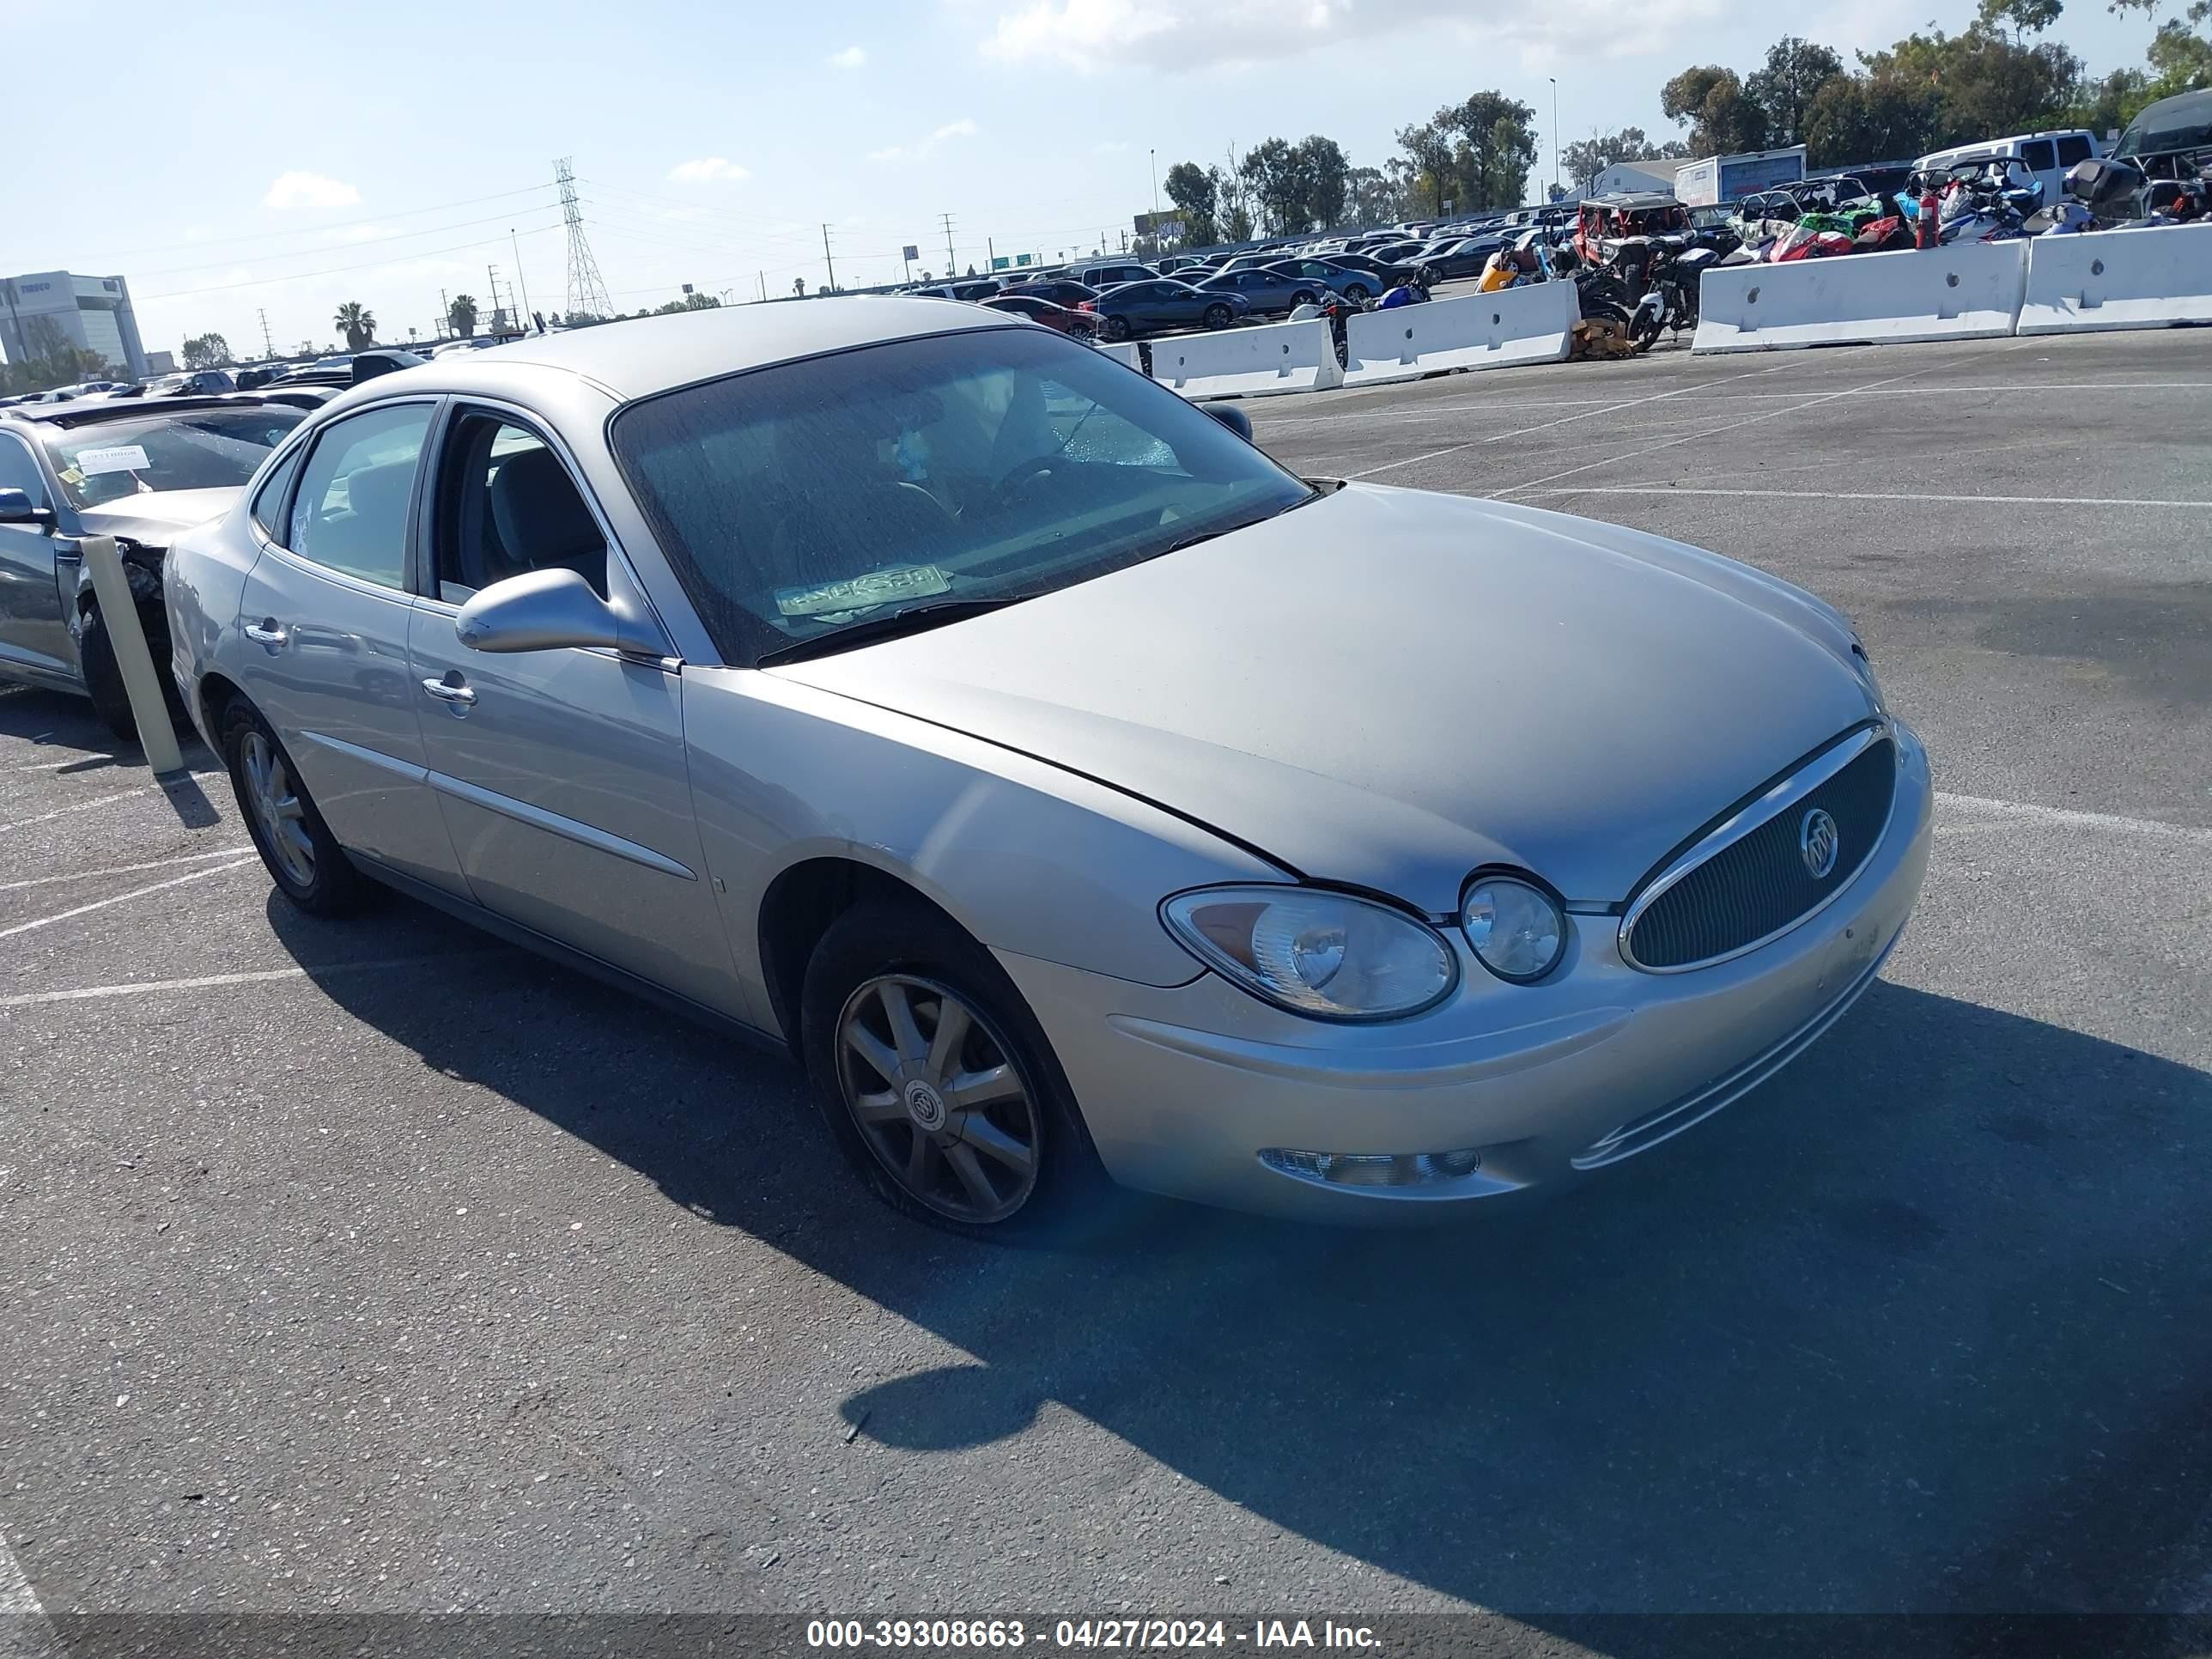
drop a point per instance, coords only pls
(310, 190)
(962, 128)
(1201, 34)
(851, 58)
(705, 170)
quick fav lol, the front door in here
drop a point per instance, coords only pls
(561, 774)
(325, 612)
(33, 630)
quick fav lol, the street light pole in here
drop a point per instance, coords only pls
(1555, 131)
(1155, 155)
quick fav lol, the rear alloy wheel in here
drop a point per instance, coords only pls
(303, 858)
(1217, 317)
(1356, 292)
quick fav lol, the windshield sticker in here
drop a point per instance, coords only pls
(831, 599)
(71, 477)
(123, 457)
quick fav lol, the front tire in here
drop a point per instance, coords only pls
(1217, 317)
(936, 1080)
(1356, 292)
(1117, 330)
(103, 676)
(303, 858)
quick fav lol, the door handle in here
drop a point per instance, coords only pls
(449, 691)
(266, 632)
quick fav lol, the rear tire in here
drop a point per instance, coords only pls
(1217, 317)
(1117, 329)
(303, 858)
(1356, 292)
(1015, 1163)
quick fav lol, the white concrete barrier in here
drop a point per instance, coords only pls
(2109, 279)
(1248, 362)
(1967, 291)
(1129, 352)
(1531, 325)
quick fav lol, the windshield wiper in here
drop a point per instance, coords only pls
(908, 619)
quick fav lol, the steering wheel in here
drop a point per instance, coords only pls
(1029, 467)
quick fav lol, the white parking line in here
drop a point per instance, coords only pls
(124, 869)
(82, 806)
(1567, 420)
(213, 981)
(119, 898)
(2069, 818)
(1868, 495)
(24, 1632)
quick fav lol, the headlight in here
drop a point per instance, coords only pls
(1313, 952)
(1517, 931)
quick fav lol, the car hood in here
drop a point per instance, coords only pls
(1390, 688)
(157, 516)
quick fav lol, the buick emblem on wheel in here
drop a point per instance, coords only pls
(1818, 840)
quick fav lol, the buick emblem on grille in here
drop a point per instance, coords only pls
(1818, 841)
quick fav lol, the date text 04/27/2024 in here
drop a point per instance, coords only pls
(1107, 1634)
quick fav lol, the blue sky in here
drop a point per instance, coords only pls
(288, 157)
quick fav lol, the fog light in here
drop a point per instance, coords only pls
(1373, 1168)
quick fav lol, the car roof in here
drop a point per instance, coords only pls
(642, 355)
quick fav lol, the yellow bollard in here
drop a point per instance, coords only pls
(113, 588)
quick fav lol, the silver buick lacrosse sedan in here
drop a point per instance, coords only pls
(1079, 795)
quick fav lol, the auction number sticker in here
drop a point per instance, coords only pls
(120, 458)
(861, 592)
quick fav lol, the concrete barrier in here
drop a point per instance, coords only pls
(1131, 352)
(1532, 325)
(2111, 279)
(1248, 362)
(1968, 291)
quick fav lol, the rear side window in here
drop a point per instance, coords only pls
(269, 500)
(2073, 150)
(2036, 155)
(356, 491)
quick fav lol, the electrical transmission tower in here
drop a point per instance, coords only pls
(588, 289)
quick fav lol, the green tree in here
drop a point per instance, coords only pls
(1796, 71)
(1270, 171)
(1190, 187)
(461, 315)
(1428, 149)
(691, 302)
(2106, 104)
(207, 351)
(1984, 83)
(1373, 196)
(2180, 57)
(1870, 118)
(2023, 17)
(353, 319)
(1723, 117)
(1327, 173)
(1495, 146)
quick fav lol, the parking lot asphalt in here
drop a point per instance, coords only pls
(379, 1266)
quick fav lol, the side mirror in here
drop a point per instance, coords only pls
(1233, 417)
(16, 507)
(538, 610)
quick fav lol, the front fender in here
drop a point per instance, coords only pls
(1026, 856)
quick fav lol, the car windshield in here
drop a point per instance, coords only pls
(198, 449)
(983, 465)
(2184, 123)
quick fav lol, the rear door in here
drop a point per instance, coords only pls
(325, 612)
(561, 775)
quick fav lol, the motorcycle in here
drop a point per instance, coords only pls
(1675, 266)
(1980, 204)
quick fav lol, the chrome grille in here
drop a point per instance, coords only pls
(1765, 877)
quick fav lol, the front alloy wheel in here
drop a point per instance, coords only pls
(938, 1099)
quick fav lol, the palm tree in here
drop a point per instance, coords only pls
(360, 328)
(461, 315)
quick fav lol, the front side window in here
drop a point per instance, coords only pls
(19, 470)
(351, 512)
(990, 464)
(192, 449)
(507, 505)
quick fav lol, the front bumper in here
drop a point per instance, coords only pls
(1183, 1088)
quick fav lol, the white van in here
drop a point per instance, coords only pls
(2045, 155)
